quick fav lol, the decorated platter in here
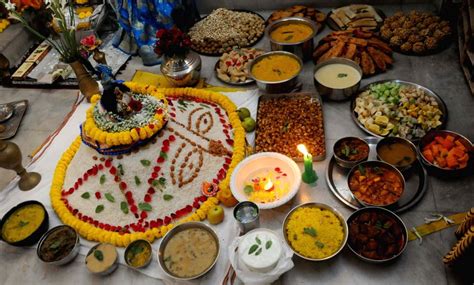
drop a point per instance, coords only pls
(232, 67)
(397, 114)
(416, 182)
(118, 199)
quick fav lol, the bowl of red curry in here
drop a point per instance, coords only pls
(349, 151)
(376, 234)
(376, 183)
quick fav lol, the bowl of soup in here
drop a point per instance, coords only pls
(293, 34)
(276, 71)
(376, 183)
(188, 251)
(396, 151)
(349, 151)
(337, 78)
(24, 224)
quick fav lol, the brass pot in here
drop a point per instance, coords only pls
(87, 85)
(182, 70)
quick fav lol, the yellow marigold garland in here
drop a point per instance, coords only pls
(126, 137)
(93, 233)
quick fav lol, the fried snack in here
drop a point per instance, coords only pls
(467, 223)
(372, 54)
(233, 66)
(299, 11)
(415, 32)
(285, 122)
(463, 251)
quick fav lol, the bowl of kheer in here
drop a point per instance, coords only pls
(188, 251)
(337, 78)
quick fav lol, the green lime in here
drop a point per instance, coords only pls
(249, 124)
(243, 113)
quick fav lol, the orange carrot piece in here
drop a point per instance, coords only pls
(439, 139)
(449, 138)
(459, 144)
(457, 151)
(464, 158)
(428, 154)
(441, 161)
(451, 161)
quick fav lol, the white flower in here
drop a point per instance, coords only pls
(10, 6)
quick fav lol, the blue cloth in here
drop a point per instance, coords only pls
(141, 19)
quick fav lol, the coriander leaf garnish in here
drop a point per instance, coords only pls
(310, 231)
(86, 195)
(268, 244)
(98, 255)
(144, 207)
(99, 209)
(124, 207)
(341, 75)
(109, 197)
(145, 162)
(253, 248)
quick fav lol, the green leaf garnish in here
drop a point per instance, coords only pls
(319, 244)
(258, 240)
(102, 179)
(145, 162)
(164, 155)
(288, 38)
(258, 251)
(387, 225)
(248, 189)
(137, 181)
(86, 195)
(341, 75)
(361, 169)
(346, 151)
(120, 168)
(145, 207)
(23, 223)
(124, 207)
(253, 248)
(167, 197)
(98, 255)
(109, 197)
(99, 209)
(268, 244)
(378, 225)
(136, 249)
(310, 231)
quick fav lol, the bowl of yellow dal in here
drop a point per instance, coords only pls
(24, 224)
(276, 71)
(293, 34)
(315, 231)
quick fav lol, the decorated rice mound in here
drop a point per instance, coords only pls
(143, 193)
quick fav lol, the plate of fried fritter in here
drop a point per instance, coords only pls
(371, 53)
(299, 11)
(416, 32)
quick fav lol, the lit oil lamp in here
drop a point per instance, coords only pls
(309, 175)
(268, 186)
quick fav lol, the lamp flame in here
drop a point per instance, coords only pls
(268, 186)
(302, 149)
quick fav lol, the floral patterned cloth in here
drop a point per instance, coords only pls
(139, 20)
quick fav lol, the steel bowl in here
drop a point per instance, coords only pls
(334, 94)
(374, 163)
(322, 206)
(281, 86)
(182, 72)
(147, 262)
(6, 112)
(36, 235)
(70, 256)
(172, 233)
(110, 269)
(303, 49)
(445, 172)
(390, 213)
(398, 140)
(349, 163)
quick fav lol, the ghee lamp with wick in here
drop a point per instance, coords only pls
(309, 175)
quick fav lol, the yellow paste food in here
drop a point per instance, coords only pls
(276, 67)
(22, 223)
